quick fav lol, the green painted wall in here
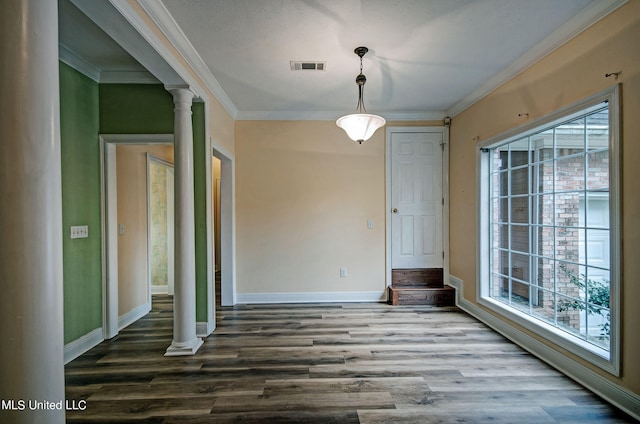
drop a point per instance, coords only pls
(80, 203)
(200, 158)
(86, 110)
(148, 109)
(135, 109)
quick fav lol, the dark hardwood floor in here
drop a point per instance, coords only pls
(325, 363)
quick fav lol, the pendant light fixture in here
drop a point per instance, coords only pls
(361, 125)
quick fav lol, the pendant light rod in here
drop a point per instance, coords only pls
(361, 125)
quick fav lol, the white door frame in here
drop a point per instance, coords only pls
(109, 220)
(445, 193)
(227, 225)
(170, 234)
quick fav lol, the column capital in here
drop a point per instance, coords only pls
(180, 90)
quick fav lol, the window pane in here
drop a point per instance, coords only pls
(597, 249)
(502, 188)
(550, 226)
(520, 181)
(567, 244)
(542, 143)
(545, 273)
(569, 174)
(520, 267)
(567, 209)
(501, 288)
(598, 325)
(570, 281)
(520, 209)
(519, 152)
(570, 138)
(598, 130)
(568, 313)
(520, 238)
(596, 210)
(598, 170)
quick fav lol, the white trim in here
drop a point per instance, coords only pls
(160, 16)
(203, 329)
(228, 295)
(611, 361)
(591, 14)
(445, 193)
(108, 218)
(72, 59)
(127, 77)
(150, 158)
(312, 297)
(160, 289)
(614, 393)
(133, 315)
(332, 115)
(109, 16)
(82, 345)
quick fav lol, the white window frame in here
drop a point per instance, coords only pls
(606, 360)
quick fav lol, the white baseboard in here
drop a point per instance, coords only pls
(82, 344)
(133, 315)
(164, 289)
(619, 396)
(203, 329)
(317, 297)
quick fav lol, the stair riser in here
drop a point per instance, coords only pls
(434, 297)
(420, 277)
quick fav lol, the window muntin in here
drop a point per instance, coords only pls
(548, 232)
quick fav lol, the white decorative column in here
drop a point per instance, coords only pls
(31, 304)
(184, 341)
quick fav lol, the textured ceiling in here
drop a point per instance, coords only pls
(426, 57)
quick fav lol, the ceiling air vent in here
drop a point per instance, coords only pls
(307, 66)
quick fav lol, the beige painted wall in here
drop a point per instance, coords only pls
(131, 172)
(304, 193)
(569, 74)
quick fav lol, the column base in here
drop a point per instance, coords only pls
(184, 349)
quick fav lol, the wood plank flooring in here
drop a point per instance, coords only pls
(325, 363)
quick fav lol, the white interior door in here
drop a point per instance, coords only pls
(416, 200)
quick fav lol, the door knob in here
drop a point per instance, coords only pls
(395, 210)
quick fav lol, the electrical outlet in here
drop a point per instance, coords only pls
(370, 223)
(121, 229)
(343, 272)
(79, 231)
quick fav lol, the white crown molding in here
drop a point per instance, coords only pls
(170, 28)
(316, 297)
(583, 20)
(71, 58)
(614, 393)
(296, 115)
(127, 77)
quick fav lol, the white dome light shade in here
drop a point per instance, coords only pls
(360, 126)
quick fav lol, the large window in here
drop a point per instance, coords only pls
(549, 227)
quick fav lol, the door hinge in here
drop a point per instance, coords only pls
(443, 254)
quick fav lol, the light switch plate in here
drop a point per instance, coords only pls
(79, 231)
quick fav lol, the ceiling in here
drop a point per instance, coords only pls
(427, 58)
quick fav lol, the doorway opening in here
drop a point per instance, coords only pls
(223, 207)
(126, 283)
(160, 221)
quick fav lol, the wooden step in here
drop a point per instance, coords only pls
(417, 277)
(435, 296)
